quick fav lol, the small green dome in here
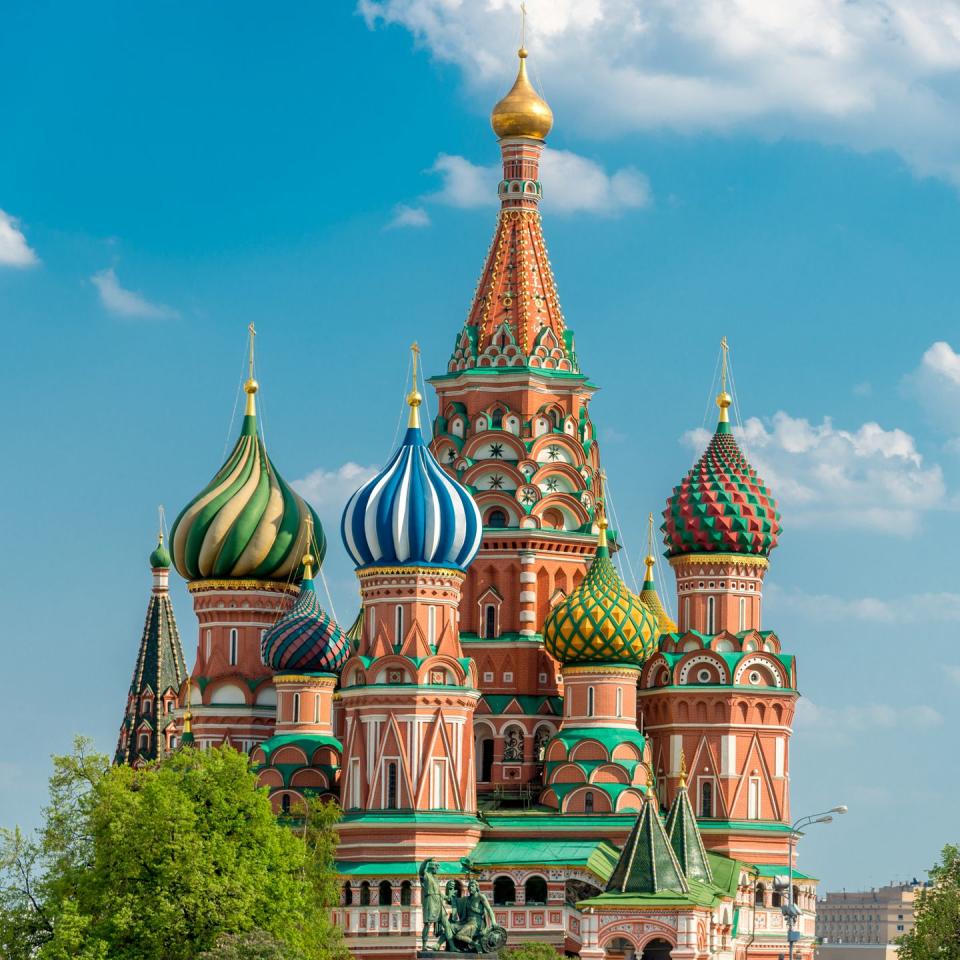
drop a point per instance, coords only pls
(160, 558)
(602, 621)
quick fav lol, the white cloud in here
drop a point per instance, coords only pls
(953, 672)
(127, 303)
(14, 249)
(868, 717)
(407, 216)
(572, 184)
(329, 490)
(868, 478)
(905, 609)
(936, 385)
(871, 75)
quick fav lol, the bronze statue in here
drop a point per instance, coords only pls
(434, 906)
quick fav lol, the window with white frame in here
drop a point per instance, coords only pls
(432, 626)
(619, 702)
(438, 785)
(207, 641)
(233, 647)
(743, 613)
(296, 708)
(353, 794)
(753, 799)
(711, 614)
(398, 625)
(590, 701)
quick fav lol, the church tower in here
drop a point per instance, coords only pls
(601, 634)
(514, 428)
(239, 545)
(408, 693)
(720, 691)
(150, 728)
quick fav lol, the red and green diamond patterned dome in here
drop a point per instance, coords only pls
(721, 506)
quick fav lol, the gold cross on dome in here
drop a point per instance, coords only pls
(253, 333)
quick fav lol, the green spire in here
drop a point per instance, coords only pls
(647, 862)
(685, 836)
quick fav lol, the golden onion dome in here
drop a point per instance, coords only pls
(522, 112)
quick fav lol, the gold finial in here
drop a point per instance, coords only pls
(649, 559)
(188, 713)
(652, 786)
(160, 523)
(413, 397)
(723, 398)
(308, 559)
(251, 386)
(683, 770)
(602, 509)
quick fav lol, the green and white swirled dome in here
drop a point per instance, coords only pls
(247, 523)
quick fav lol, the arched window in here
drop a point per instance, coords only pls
(496, 420)
(588, 802)
(233, 647)
(619, 702)
(711, 614)
(296, 708)
(392, 785)
(144, 741)
(316, 709)
(743, 613)
(490, 621)
(759, 895)
(285, 803)
(385, 893)
(686, 614)
(147, 707)
(706, 798)
(555, 417)
(347, 894)
(535, 890)
(207, 639)
(497, 519)
(776, 899)
(365, 893)
(504, 891)
(405, 893)
(590, 701)
(398, 625)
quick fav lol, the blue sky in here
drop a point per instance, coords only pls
(172, 173)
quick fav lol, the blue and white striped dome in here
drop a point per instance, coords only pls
(412, 513)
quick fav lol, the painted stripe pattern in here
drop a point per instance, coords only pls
(247, 522)
(307, 639)
(412, 513)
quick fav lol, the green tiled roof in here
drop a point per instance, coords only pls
(609, 737)
(598, 856)
(686, 840)
(392, 868)
(307, 742)
(532, 705)
(647, 863)
(779, 869)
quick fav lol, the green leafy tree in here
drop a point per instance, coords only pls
(530, 951)
(255, 945)
(160, 863)
(936, 931)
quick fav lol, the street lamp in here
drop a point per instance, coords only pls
(790, 911)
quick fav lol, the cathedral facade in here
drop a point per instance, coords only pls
(617, 782)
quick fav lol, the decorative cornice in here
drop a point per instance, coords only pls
(620, 669)
(416, 572)
(269, 586)
(733, 559)
(322, 679)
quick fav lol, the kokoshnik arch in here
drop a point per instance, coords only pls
(617, 782)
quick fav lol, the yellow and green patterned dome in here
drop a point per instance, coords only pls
(602, 621)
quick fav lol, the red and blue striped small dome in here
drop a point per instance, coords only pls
(412, 513)
(306, 639)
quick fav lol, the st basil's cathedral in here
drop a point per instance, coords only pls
(616, 782)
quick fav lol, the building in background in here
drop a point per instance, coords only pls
(865, 925)
(617, 781)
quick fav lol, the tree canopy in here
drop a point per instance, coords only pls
(530, 951)
(936, 931)
(166, 862)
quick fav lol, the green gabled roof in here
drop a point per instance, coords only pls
(608, 737)
(647, 864)
(597, 856)
(686, 840)
(532, 705)
(725, 873)
(777, 869)
(308, 742)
